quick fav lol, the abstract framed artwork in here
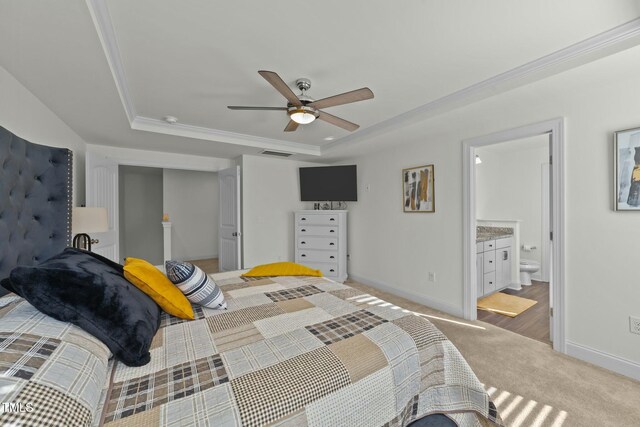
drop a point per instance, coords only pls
(627, 170)
(418, 189)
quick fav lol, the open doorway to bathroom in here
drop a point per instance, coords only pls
(507, 245)
(512, 236)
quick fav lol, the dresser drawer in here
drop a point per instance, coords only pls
(317, 243)
(329, 270)
(317, 219)
(489, 261)
(489, 283)
(317, 256)
(316, 230)
(489, 245)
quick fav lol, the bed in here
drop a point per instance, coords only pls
(287, 351)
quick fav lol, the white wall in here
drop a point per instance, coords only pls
(191, 201)
(140, 193)
(602, 285)
(24, 115)
(509, 186)
(270, 195)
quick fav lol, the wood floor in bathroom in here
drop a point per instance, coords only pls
(534, 322)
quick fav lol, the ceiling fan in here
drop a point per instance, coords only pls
(303, 109)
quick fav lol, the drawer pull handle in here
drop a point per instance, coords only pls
(490, 262)
(491, 283)
(304, 229)
(332, 257)
(303, 219)
(331, 244)
(332, 270)
(303, 243)
(332, 231)
(332, 219)
(303, 255)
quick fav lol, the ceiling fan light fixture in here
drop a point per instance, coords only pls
(302, 115)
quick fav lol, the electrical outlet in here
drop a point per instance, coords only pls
(432, 276)
(634, 325)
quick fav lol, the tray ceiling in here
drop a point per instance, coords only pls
(112, 70)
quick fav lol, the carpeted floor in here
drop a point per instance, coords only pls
(531, 384)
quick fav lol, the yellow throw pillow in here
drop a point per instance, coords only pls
(282, 269)
(154, 283)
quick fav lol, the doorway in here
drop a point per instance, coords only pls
(554, 129)
(512, 210)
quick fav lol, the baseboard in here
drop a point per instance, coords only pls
(431, 303)
(604, 360)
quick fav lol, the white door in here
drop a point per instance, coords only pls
(102, 192)
(230, 250)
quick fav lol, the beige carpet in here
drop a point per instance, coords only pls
(531, 384)
(505, 304)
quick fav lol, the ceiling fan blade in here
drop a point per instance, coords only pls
(242, 107)
(275, 81)
(337, 121)
(344, 98)
(291, 126)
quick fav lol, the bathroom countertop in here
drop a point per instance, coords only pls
(485, 237)
(484, 233)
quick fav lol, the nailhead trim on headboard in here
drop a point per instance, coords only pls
(69, 195)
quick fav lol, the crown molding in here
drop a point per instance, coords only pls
(599, 46)
(189, 131)
(102, 22)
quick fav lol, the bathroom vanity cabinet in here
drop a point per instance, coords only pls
(493, 265)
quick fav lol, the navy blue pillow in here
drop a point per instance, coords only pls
(6, 283)
(91, 292)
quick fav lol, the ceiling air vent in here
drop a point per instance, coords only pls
(275, 153)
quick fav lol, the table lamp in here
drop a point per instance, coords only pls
(88, 220)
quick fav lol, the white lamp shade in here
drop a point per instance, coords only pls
(90, 220)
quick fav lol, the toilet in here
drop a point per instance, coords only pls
(527, 268)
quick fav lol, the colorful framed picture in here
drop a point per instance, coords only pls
(627, 170)
(417, 189)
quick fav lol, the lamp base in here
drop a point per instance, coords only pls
(82, 241)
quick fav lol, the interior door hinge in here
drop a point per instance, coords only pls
(551, 311)
(550, 160)
(551, 235)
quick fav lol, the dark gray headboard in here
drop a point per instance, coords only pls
(35, 201)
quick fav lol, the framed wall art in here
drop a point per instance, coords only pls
(418, 189)
(627, 170)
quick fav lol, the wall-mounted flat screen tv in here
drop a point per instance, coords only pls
(329, 183)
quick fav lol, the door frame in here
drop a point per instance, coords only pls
(555, 129)
(125, 157)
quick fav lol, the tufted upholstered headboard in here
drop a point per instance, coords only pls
(35, 202)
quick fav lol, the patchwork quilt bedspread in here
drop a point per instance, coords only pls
(288, 351)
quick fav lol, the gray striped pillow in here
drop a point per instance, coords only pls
(195, 284)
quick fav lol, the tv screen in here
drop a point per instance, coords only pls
(328, 183)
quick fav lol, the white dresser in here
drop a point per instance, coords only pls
(321, 242)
